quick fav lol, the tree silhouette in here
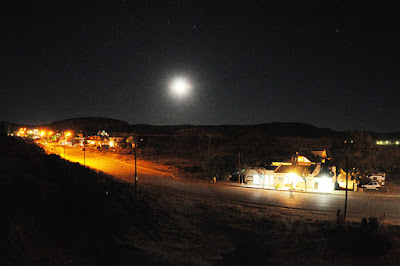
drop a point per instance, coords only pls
(357, 151)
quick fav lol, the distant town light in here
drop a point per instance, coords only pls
(387, 142)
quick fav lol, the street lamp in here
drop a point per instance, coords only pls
(66, 134)
(49, 135)
(84, 155)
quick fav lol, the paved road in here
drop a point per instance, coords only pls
(359, 204)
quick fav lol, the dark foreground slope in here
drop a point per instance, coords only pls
(56, 212)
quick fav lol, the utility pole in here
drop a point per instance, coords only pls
(347, 181)
(346, 150)
(84, 155)
(209, 156)
(239, 176)
(135, 141)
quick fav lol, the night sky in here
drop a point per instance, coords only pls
(333, 65)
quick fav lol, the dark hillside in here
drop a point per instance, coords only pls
(272, 129)
(295, 130)
(145, 129)
(91, 125)
(388, 136)
(192, 147)
(56, 213)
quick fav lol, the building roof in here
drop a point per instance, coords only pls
(270, 167)
(324, 173)
(258, 171)
(299, 169)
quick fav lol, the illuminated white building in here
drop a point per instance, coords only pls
(296, 177)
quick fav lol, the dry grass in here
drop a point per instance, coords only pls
(204, 232)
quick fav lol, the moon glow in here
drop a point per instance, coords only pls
(180, 87)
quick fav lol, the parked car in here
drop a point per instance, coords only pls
(371, 185)
(380, 177)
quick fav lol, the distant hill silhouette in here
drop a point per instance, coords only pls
(294, 130)
(94, 124)
(271, 129)
(388, 136)
(91, 124)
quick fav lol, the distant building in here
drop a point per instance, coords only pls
(320, 153)
(301, 160)
(259, 176)
(340, 180)
(115, 141)
(102, 133)
(97, 141)
(300, 174)
(281, 163)
(296, 176)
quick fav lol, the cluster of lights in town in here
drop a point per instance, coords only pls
(34, 133)
(65, 137)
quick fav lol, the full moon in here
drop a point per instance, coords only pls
(180, 87)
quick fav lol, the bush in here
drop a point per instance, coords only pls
(370, 224)
(361, 239)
